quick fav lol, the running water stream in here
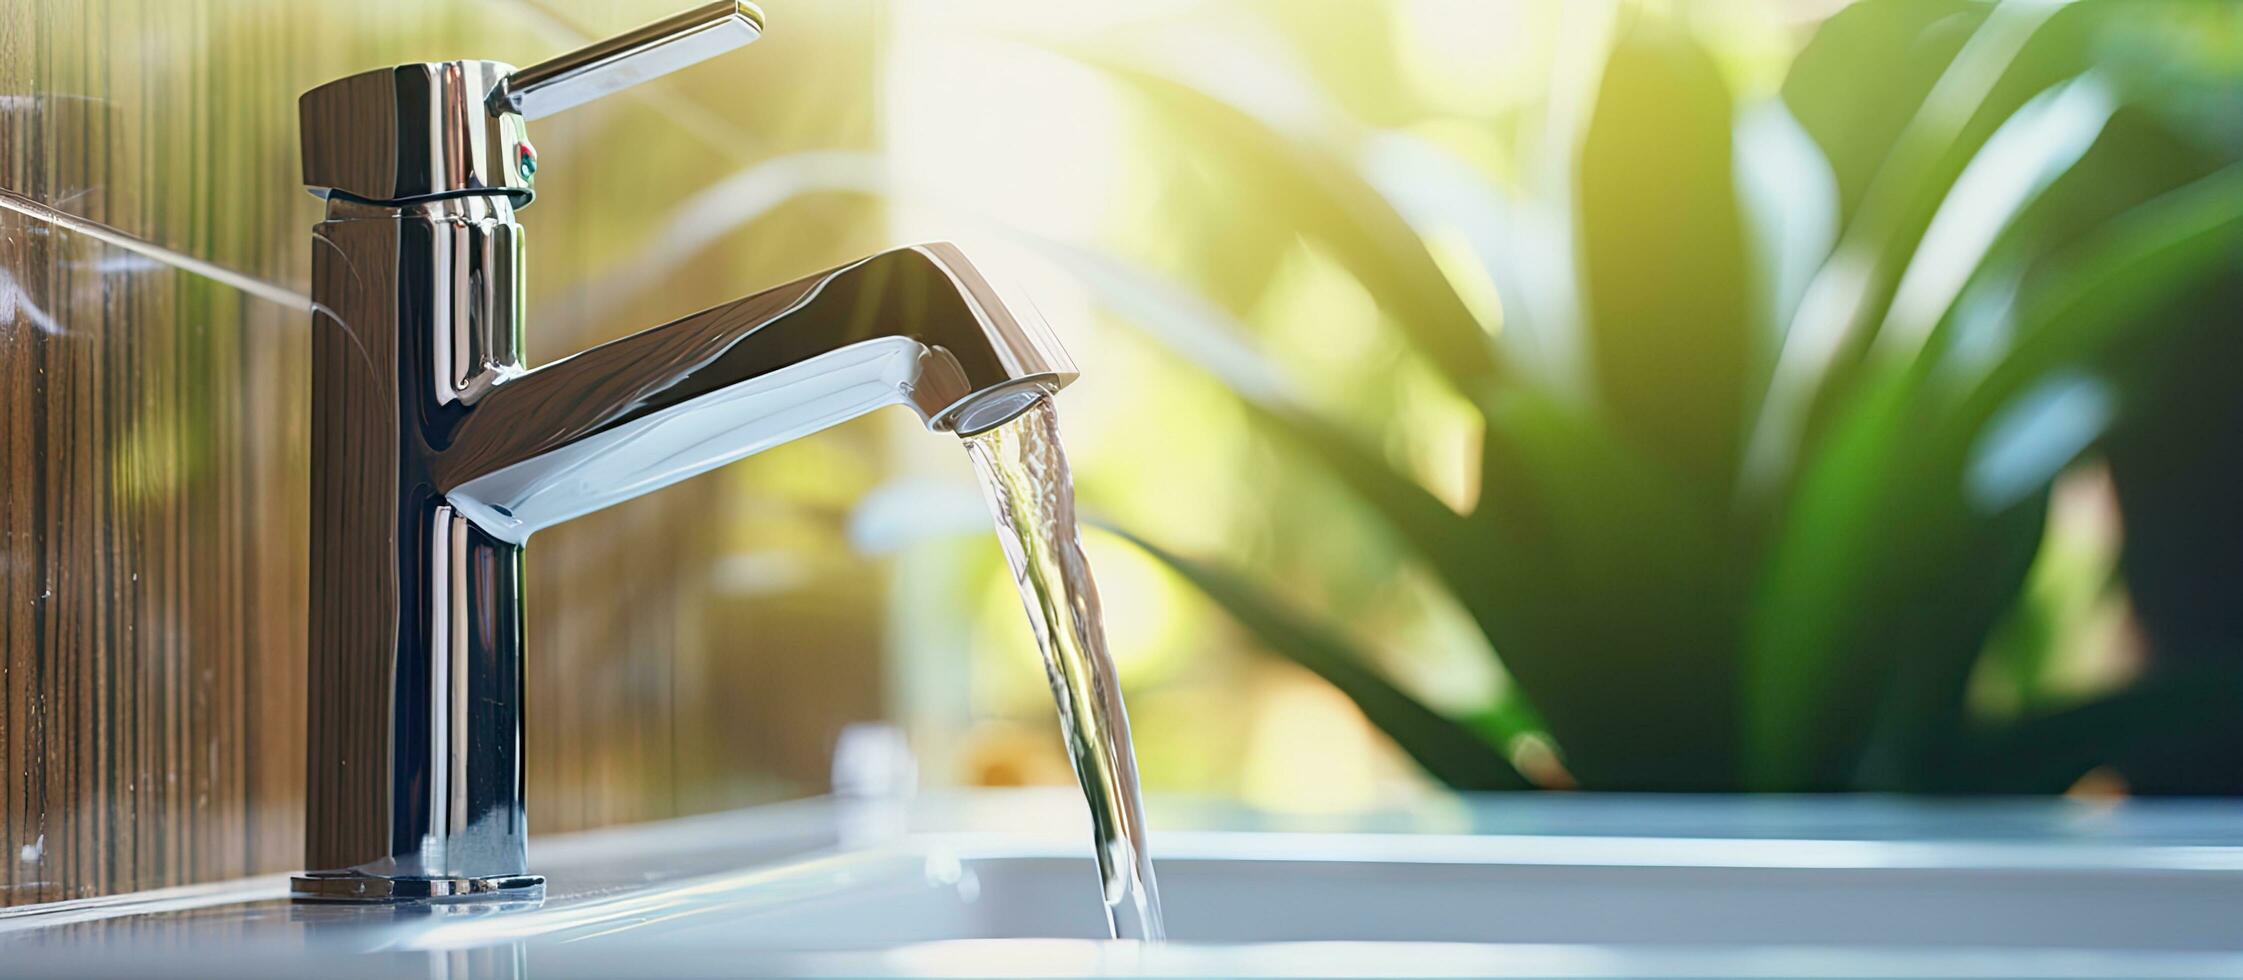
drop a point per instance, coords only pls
(1032, 495)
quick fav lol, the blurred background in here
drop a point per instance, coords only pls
(1634, 396)
(1722, 395)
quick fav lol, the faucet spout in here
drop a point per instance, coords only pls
(917, 326)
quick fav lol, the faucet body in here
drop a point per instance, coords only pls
(415, 674)
(437, 451)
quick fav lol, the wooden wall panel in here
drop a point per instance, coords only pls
(153, 437)
(149, 562)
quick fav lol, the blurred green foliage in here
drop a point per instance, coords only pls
(1778, 385)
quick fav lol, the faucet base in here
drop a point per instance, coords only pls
(356, 886)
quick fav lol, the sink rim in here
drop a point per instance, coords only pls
(758, 853)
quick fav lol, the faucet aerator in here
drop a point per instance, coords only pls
(989, 409)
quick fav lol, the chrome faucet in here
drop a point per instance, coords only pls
(436, 452)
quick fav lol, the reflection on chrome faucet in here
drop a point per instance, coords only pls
(436, 452)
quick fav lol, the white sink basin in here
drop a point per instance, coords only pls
(1271, 888)
(1577, 886)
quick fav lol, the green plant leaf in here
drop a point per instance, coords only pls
(1457, 549)
(2179, 542)
(2031, 151)
(1911, 43)
(1449, 750)
(1819, 643)
(1620, 628)
(1315, 190)
(1476, 561)
(1521, 245)
(1669, 305)
(2012, 53)
(2102, 298)
(1841, 604)
(1969, 584)
(1817, 632)
(2135, 159)
(1871, 554)
(1788, 199)
(1948, 73)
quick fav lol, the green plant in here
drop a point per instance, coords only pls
(1758, 533)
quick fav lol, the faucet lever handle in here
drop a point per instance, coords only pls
(605, 67)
